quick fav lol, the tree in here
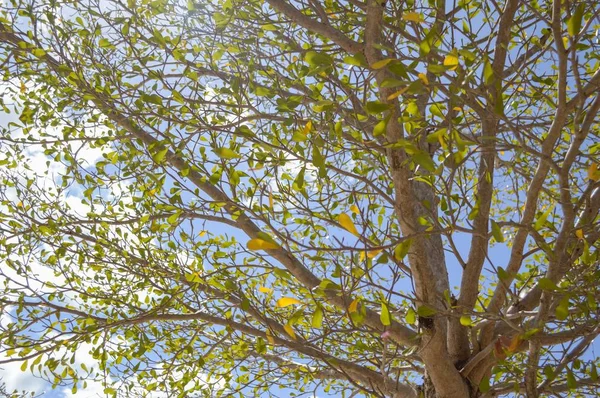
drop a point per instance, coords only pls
(236, 196)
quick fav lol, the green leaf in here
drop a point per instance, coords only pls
(428, 42)
(377, 107)
(38, 52)
(571, 381)
(547, 284)
(562, 310)
(323, 106)
(401, 250)
(488, 72)
(497, 232)
(391, 82)
(380, 128)
(411, 317)
(299, 137)
(466, 320)
(574, 23)
(398, 69)
(503, 275)
(382, 63)
(438, 110)
(174, 218)
(385, 317)
(484, 384)
(104, 43)
(357, 60)
(226, 153)
(542, 219)
(423, 159)
(318, 159)
(426, 311)
(263, 91)
(314, 58)
(160, 155)
(152, 99)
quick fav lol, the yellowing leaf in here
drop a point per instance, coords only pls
(346, 222)
(451, 61)
(317, 319)
(307, 127)
(466, 320)
(270, 337)
(202, 233)
(271, 199)
(285, 301)
(397, 93)
(353, 306)
(289, 330)
(514, 343)
(579, 233)
(593, 172)
(362, 257)
(412, 17)
(355, 209)
(263, 289)
(381, 64)
(424, 78)
(259, 244)
(374, 253)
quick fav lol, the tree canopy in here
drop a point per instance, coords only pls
(336, 197)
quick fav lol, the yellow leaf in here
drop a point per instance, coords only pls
(412, 17)
(566, 42)
(346, 222)
(289, 330)
(202, 233)
(451, 61)
(355, 209)
(271, 199)
(424, 78)
(285, 301)
(579, 233)
(270, 337)
(593, 172)
(457, 108)
(353, 306)
(374, 253)
(397, 94)
(307, 127)
(361, 257)
(382, 63)
(263, 289)
(23, 88)
(20, 204)
(520, 89)
(259, 244)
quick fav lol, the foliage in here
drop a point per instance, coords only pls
(222, 197)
